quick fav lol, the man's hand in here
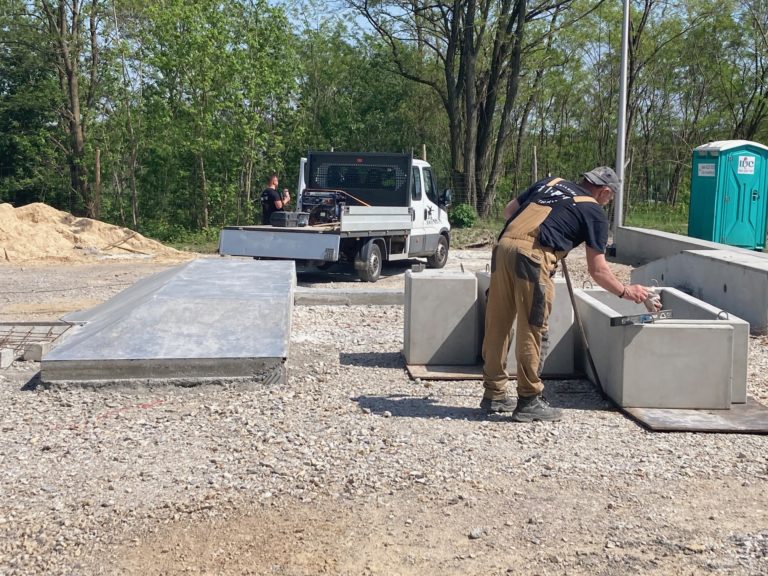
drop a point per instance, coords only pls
(640, 294)
(286, 196)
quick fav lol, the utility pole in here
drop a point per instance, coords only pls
(618, 205)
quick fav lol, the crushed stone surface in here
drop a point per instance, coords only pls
(352, 467)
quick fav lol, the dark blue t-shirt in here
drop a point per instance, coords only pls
(569, 223)
(268, 198)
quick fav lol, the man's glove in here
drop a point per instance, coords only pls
(653, 302)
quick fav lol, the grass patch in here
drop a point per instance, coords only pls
(659, 217)
(482, 234)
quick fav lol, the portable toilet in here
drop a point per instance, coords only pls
(729, 193)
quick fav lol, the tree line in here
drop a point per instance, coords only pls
(167, 116)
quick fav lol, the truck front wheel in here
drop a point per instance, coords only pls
(368, 262)
(440, 257)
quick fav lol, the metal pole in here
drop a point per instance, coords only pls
(618, 206)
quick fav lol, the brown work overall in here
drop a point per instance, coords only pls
(521, 281)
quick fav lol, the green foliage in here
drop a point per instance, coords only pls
(192, 104)
(462, 216)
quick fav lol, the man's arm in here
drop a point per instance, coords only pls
(277, 199)
(511, 208)
(601, 273)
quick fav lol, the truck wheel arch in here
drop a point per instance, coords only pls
(369, 259)
(440, 257)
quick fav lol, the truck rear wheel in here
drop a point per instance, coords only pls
(440, 257)
(368, 262)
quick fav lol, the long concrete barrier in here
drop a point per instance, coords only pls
(637, 246)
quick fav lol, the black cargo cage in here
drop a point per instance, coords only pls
(372, 178)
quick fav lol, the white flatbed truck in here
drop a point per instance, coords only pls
(362, 208)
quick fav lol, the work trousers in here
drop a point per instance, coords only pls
(522, 288)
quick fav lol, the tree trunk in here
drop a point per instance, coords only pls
(203, 190)
(95, 209)
(65, 38)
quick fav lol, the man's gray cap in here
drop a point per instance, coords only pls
(603, 176)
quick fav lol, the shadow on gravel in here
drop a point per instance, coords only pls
(372, 359)
(402, 406)
(576, 395)
(311, 275)
(33, 384)
(566, 394)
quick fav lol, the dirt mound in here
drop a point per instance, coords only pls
(39, 232)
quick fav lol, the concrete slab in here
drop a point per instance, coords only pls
(558, 349)
(440, 323)
(666, 364)
(210, 318)
(733, 281)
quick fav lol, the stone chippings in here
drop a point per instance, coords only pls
(82, 471)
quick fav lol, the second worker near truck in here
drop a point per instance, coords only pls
(543, 224)
(271, 200)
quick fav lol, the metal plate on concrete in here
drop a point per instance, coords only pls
(208, 318)
(749, 418)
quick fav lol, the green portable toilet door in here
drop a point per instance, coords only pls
(742, 196)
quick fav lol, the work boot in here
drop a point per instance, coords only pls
(505, 404)
(530, 408)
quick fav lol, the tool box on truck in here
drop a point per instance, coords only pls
(284, 219)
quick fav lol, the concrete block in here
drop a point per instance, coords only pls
(34, 352)
(558, 349)
(658, 365)
(7, 356)
(440, 324)
(732, 281)
(688, 310)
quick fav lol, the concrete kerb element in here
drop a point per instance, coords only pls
(34, 352)
(736, 282)
(637, 246)
(440, 318)
(558, 349)
(7, 356)
(658, 365)
(303, 296)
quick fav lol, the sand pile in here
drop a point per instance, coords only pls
(39, 232)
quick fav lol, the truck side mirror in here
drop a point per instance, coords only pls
(446, 198)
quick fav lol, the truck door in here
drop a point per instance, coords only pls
(416, 238)
(432, 224)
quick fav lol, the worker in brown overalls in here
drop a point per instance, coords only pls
(543, 224)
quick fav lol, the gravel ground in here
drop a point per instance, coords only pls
(352, 468)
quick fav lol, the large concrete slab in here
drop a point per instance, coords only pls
(210, 318)
(636, 246)
(440, 323)
(666, 364)
(736, 282)
(558, 348)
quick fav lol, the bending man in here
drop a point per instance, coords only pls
(543, 224)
